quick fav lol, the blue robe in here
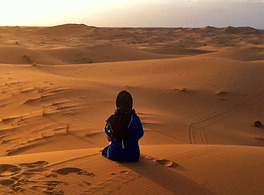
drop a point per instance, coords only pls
(126, 150)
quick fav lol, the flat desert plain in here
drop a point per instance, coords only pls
(198, 92)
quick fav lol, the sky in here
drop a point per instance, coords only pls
(133, 13)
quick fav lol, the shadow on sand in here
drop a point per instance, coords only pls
(166, 177)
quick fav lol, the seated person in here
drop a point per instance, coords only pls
(123, 130)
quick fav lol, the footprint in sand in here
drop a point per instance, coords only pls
(7, 169)
(167, 163)
(121, 172)
(33, 171)
(124, 172)
(49, 187)
(147, 157)
(13, 184)
(87, 183)
(53, 191)
(33, 164)
(7, 182)
(68, 170)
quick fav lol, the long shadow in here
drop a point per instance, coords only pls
(166, 177)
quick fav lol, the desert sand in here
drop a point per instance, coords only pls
(198, 92)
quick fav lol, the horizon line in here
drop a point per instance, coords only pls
(146, 27)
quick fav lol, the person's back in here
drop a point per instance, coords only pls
(123, 129)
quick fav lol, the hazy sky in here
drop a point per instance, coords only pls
(133, 13)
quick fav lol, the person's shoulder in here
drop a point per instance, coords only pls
(136, 117)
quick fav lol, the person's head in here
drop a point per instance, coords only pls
(121, 119)
(124, 100)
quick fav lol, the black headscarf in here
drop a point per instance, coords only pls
(119, 121)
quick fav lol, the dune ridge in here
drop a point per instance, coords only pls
(80, 44)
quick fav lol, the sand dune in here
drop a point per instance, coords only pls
(198, 93)
(65, 30)
(253, 54)
(199, 171)
(21, 55)
(240, 30)
(78, 43)
(99, 53)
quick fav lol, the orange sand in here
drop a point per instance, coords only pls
(198, 93)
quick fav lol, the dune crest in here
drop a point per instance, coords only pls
(80, 44)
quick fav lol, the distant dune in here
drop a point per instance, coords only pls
(65, 30)
(198, 92)
(79, 44)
